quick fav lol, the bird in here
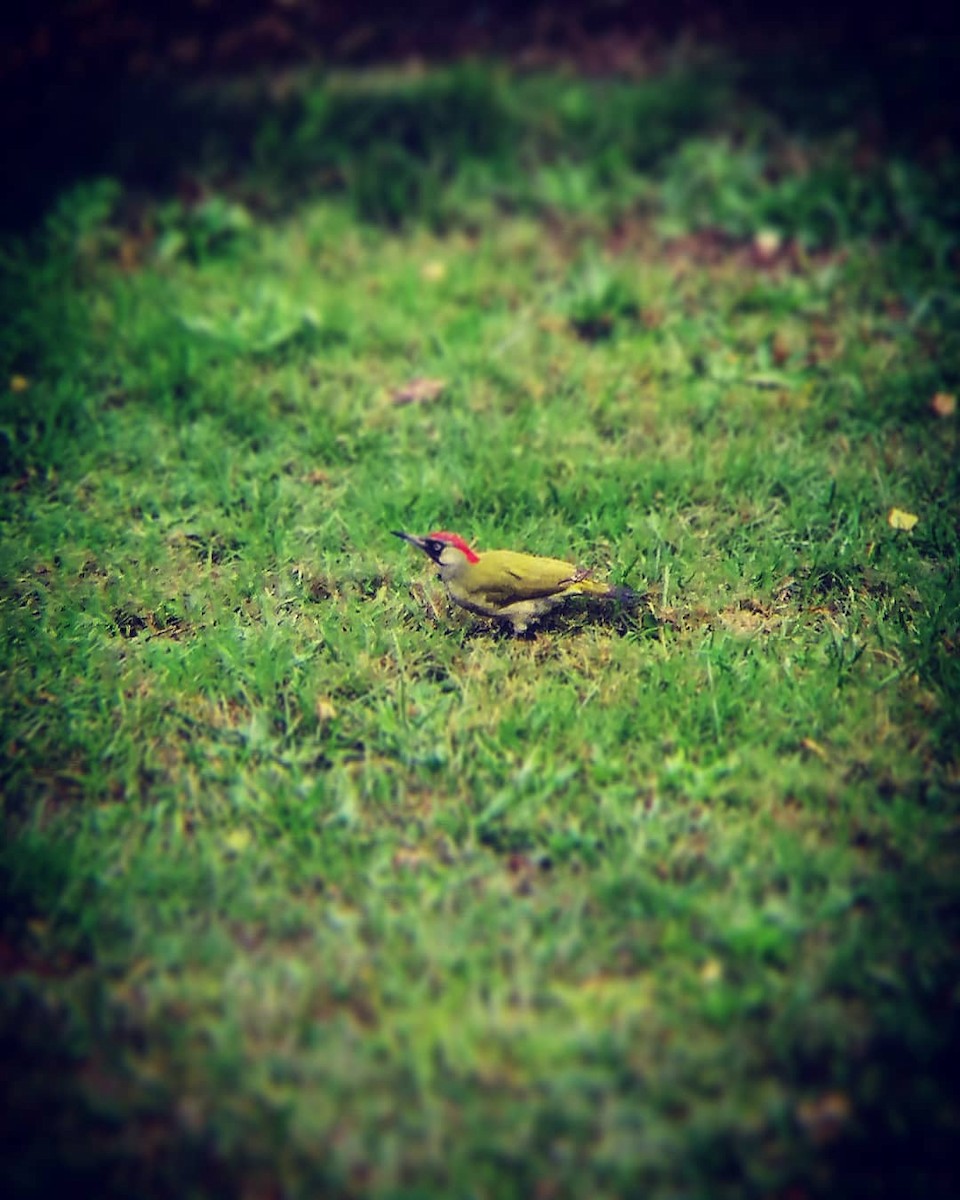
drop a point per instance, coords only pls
(512, 587)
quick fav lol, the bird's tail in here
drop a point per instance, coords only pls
(622, 594)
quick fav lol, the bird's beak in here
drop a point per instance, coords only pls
(411, 538)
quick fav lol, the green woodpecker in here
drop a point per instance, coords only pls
(513, 587)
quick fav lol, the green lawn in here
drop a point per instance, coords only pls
(314, 885)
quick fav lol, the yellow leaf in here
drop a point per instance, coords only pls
(767, 243)
(237, 840)
(711, 971)
(944, 404)
(814, 748)
(434, 271)
(325, 709)
(897, 518)
(19, 383)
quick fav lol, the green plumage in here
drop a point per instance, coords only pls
(504, 577)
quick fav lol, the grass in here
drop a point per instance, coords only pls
(314, 885)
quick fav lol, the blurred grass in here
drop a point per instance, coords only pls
(313, 885)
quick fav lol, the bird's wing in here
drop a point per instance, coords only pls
(504, 576)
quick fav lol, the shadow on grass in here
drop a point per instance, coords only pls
(394, 144)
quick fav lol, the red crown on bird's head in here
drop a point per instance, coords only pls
(454, 539)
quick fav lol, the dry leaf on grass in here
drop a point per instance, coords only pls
(419, 391)
(405, 859)
(814, 747)
(325, 709)
(944, 404)
(823, 1117)
(235, 841)
(711, 971)
(748, 616)
(767, 243)
(898, 518)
